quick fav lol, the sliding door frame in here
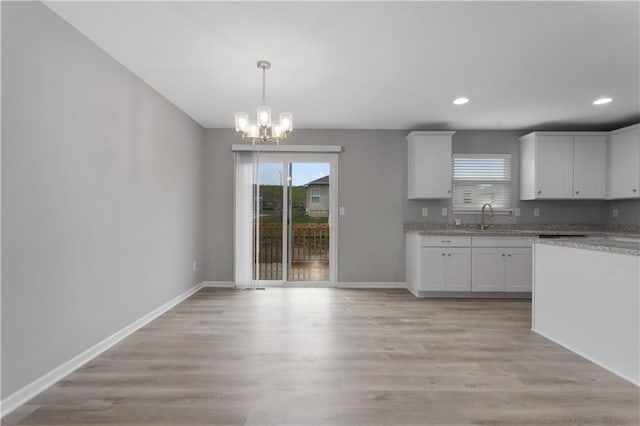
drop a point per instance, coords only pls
(243, 241)
(285, 159)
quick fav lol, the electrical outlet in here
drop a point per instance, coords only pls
(194, 266)
(425, 211)
(341, 211)
(517, 211)
(444, 211)
(536, 212)
(614, 212)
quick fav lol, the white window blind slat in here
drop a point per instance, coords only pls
(480, 179)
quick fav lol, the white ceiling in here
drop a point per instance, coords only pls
(381, 65)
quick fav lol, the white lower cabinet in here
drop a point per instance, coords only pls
(519, 270)
(488, 266)
(468, 264)
(501, 269)
(445, 269)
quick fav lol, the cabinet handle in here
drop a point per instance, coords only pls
(449, 191)
(449, 254)
(635, 190)
(577, 192)
(509, 255)
(443, 254)
(445, 241)
(540, 191)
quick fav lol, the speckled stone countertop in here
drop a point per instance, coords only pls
(598, 237)
(598, 244)
(524, 230)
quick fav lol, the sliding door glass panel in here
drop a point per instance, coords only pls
(308, 224)
(268, 204)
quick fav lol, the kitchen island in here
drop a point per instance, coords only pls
(586, 297)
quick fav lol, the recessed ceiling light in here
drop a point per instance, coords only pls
(602, 101)
(460, 101)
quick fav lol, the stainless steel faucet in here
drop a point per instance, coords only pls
(482, 225)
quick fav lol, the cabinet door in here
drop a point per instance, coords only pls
(458, 269)
(589, 162)
(429, 167)
(433, 261)
(624, 165)
(488, 266)
(519, 269)
(554, 167)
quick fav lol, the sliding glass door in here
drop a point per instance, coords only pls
(269, 208)
(293, 231)
(308, 230)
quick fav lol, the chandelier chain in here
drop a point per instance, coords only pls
(264, 85)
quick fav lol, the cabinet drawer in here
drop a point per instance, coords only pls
(523, 242)
(444, 241)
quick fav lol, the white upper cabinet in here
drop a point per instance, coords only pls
(554, 166)
(624, 163)
(429, 165)
(589, 165)
(562, 165)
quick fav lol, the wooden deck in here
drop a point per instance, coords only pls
(300, 271)
(309, 252)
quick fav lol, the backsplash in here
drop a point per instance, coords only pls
(627, 212)
(560, 211)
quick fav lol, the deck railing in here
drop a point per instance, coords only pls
(309, 242)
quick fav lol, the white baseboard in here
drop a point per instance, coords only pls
(29, 391)
(298, 284)
(218, 284)
(372, 285)
(635, 381)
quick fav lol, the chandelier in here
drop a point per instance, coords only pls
(263, 130)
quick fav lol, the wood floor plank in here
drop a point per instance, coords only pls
(321, 356)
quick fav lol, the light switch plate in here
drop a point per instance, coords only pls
(341, 211)
(517, 211)
(536, 212)
(425, 211)
(444, 211)
(614, 212)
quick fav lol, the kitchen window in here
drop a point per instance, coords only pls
(480, 179)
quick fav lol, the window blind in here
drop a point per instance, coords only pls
(481, 178)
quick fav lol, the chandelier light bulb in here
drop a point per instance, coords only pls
(263, 130)
(286, 121)
(242, 121)
(264, 116)
(253, 130)
(277, 130)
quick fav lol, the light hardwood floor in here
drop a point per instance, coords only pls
(311, 356)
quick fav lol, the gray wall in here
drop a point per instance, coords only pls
(372, 179)
(373, 191)
(101, 195)
(628, 212)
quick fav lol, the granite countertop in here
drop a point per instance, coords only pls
(524, 229)
(598, 237)
(599, 244)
